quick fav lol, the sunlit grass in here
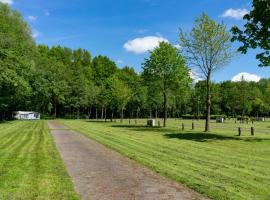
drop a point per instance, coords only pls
(30, 166)
(219, 164)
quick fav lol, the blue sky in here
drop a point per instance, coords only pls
(105, 26)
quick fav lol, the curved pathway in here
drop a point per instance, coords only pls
(99, 173)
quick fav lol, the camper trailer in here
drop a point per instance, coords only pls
(26, 115)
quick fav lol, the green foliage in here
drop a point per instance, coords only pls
(165, 74)
(256, 31)
(208, 47)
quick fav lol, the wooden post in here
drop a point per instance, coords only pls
(129, 121)
(135, 121)
(183, 126)
(158, 123)
(252, 131)
(239, 131)
(193, 126)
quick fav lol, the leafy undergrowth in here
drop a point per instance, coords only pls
(30, 166)
(219, 164)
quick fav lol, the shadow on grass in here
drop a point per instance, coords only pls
(207, 137)
(144, 128)
(99, 121)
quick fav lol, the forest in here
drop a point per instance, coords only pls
(60, 82)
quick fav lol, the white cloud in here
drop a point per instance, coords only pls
(177, 46)
(32, 18)
(36, 33)
(194, 76)
(142, 45)
(9, 2)
(235, 13)
(246, 76)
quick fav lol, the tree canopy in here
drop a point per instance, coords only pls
(256, 32)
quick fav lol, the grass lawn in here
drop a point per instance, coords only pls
(219, 165)
(30, 166)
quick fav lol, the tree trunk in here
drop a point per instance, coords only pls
(122, 114)
(102, 110)
(112, 116)
(96, 113)
(165, 109)
(208, 103)
(105, 113)
(156, 113)
(55, 110)
(78, 113)
(89, 112)
(137, 113)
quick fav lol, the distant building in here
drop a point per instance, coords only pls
(26, 115)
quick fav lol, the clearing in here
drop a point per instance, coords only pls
(219, 165)
(100, 173)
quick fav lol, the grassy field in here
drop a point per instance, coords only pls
(30, 166)
(219, 165)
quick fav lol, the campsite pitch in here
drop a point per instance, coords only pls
(219, 164)
(100, 173)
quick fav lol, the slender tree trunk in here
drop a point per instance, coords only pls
(105, 113)
(102, 111)
(55, 110)
(137, 113)
(112, 116)
(122, 114)
(96, 113)
(156, 113)
(165, 109)
(78, 113)
(208, 103)
(89, 112)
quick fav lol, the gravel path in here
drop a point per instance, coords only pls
(99, 173)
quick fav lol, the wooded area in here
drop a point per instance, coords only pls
(61, 82)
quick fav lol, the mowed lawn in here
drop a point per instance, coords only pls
(30, 166)
(219, 165)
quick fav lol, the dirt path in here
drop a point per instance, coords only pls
(99, 173)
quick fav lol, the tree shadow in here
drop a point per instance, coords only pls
(208, 137)
(144, 128)
(100, 121)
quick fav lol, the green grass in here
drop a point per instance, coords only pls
(30, 166)
(219, 164)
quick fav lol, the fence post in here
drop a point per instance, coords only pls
(158, 123)
(239, 131)
(183, 126)
(129, 121)
(135, 121)
(193, 127)
(252, 131)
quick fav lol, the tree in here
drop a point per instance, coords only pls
(207, 47)
(119, 93)
(165, 71)
(17, 53)
(256, 31)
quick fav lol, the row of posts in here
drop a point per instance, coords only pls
(252, 130)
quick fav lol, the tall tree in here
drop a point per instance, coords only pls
(256, 32)
(165, 70)
(17, 53)
(208, 47)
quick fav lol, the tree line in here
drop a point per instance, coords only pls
(62, 82)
